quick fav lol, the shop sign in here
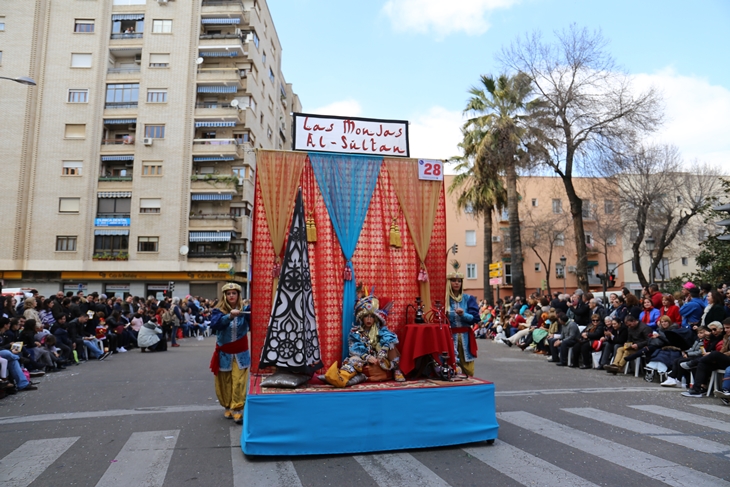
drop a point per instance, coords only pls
(430, 170)
(117, 288)
(327, 133)
(153, 287)
(75, 286)
(112, 222)
(222, 266)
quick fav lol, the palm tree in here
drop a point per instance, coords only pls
(481, 191)
(500, 132)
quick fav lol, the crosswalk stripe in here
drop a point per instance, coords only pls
(24, 464)
(106, 413)
(398, 469)
(657, 432)
(624, 456)
(715, 408)
(525, 468)
(683, 416)
(263, 473)
(143, 460)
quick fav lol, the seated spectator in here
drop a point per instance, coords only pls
(634, 306)
(693, 308)
(649, 315)
(709, 363)
(638, 337)
(670, 309)
(587, 342)
(559, 345)
(697, 350)
(715, 309)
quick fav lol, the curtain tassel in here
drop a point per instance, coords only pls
(348, 273)
(423, 274)
(395, 240)
(276, 270)
(311, 229)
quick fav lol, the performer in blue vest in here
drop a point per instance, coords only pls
(462, 311)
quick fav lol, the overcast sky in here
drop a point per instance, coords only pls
(415, 59)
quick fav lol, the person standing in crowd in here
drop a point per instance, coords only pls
(231, 358)
(462, 312)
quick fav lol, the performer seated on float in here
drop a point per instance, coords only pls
(371, 346)
(463, 313)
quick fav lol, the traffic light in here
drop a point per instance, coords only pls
(456, 249)
(171, 287)
(602, 277)
(611, 280)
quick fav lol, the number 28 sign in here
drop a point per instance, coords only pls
(430, 170)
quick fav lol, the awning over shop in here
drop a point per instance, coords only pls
(220, 53)
(210, 236)
(212, 196)
(213, 158)
(114, 194)
(117, 17)
(215, 124)
(120, 121)
(220, 21)
(111, 232)
(217, 89)
(128, 157)
(507, 259)
(592, 263)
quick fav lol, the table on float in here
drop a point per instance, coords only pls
(421, 339)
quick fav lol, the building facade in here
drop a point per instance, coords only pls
(131, 164)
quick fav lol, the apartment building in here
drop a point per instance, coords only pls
(130, 166)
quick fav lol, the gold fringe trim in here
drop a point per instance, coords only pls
(311, 229)
(395, 240)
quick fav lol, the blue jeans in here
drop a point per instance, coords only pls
(726, 380)
(174, 335)
(14, 369)
(92, 349)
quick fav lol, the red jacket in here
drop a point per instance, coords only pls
(672, 312)
(656, 300)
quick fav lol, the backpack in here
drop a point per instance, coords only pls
(168, 317)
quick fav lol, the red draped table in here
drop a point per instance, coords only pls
(418, 340)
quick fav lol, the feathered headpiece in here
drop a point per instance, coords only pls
(455, 274)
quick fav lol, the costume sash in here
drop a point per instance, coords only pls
(240, 345)
(472, 338)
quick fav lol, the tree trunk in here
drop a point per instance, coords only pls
(576, 211)
(518, 273)
(487, 256)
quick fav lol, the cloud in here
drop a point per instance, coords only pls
(435, 134)
(442, 17)
(343, 108)
(697, 116)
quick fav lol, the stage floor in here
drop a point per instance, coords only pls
(317, 418)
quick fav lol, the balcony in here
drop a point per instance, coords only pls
(225, 44)
(128, 35)
(222, 112)
(123, 74)
(223, 147)
(215, 221)
(117, 105)
(225, 7)
(213, 254)
(208, 182)
(228, 75)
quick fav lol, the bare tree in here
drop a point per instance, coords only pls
(593, 108)
(540, 234)
(661, 197)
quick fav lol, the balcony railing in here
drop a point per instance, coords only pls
(214, 104)
(232, 35)
(121, 104)
(123, 70)
(112, 215)
(124, 141)
(215, 141)
(213, 216)
(115, 178)
(222, 3)
(213, 254)
(132, 35)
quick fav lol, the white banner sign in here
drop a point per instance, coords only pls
(320, 133)
(430, 170)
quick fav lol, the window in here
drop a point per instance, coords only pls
(679, 199)
(612, 268)
(271, 104)
(72, 168)
(66, 244)
(560, 239)
(69, 205)
(254, 72)
(122, 95)
(471, 238)
(263, 57)
(80, 60)
(85, 26)
(156, 95)
(557, 206)
(468, 209)
(2, 24)
(559, 270)
(236, 211)
(611, 240)
(242, 137)
(271, 75)
(151, 168)
(252, 103)
(161, 26)
(471, 271)
(587, 213)
(537, 267)
(75, 131)
(506, 242)
(150, 205)
(589, 240)
(608, 207)
(536, 235)
(255, 39)
(661, 273)
(634, 234)
(508, 274)
(685, 261)
(114, 207)
(78, 96)
(633, 266)
(534, 202)
(147, 244)
(702, 234)
(159, 60)
(111, 244)
(154, 131)
(1, 58)
(269, 132)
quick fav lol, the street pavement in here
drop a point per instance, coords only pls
(153, 420)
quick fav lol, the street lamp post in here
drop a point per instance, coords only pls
(23, 80)
(650, 247)
(563, 260)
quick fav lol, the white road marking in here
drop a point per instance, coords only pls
(193, 408)
(716, 408)
(27, 462)
(688, 417)
(400, 469)
(624, 456)
(597, 390)
(143, 460)
(525, 468)
(658, 432)
(248, 472)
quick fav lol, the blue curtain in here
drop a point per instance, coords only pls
(347, 183)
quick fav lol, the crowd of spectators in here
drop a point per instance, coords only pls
(681, 339)
(40, 335)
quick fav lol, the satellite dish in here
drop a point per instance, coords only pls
(235, 103)
(200, 60)
(184, 250)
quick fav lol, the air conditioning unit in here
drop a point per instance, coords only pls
(138, 58)
(496, 238)
(148, 140)
(572, 269)
(129, 164)
(162, 2)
